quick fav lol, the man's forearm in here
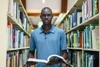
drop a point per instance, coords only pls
(65, 54)
(31, 54)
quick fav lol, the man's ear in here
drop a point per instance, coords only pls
(52, 16)
(40, 16)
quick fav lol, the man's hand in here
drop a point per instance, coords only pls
(31, 55)
(53, 61)
(29, 63)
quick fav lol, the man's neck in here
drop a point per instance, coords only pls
(46, 28)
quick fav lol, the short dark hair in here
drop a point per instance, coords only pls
(46, 8)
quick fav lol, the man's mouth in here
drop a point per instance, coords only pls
(46, 20)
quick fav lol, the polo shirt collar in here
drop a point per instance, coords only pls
(51, 30)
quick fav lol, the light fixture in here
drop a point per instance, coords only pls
(43, 1)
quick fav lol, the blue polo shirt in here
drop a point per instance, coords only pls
(48, 43)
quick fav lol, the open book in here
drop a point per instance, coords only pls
(49, 58)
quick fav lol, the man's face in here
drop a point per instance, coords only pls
(46, 16)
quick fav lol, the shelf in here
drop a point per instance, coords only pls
(87, 22)
(92, 50)
(75, 48)
(15, 49)
(84, 49)
(16, 24)
(76, 5)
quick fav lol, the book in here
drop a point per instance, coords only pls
(49, 58)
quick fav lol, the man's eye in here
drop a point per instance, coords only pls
(49, 15)
(43, 15)
(46, 15)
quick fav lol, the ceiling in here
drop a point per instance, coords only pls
(33, 8)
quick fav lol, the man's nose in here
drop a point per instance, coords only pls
(46, 16)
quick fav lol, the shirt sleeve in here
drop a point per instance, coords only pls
(32, 42)
(63, 41)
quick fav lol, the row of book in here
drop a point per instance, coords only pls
(88, 38)
(16, 59)
(87, 59)
(89, 9)
(16, 38)
(75, 58)
(91, 59)
(15, 11)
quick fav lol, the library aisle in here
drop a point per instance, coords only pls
(79, 19)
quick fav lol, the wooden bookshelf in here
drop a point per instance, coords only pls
(84, 29)
(81, 26)
(18, 33)
(16, 49)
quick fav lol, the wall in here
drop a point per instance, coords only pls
(3, 31)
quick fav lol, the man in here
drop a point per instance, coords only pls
(47, 40)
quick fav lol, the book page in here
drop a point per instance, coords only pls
(37, 60)
(61, 59)
(48, 59)
(58, 56)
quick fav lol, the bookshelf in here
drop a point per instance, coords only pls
(80, 23)
(18, 29)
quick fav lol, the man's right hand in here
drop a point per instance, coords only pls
(31, 63)
(31, 55)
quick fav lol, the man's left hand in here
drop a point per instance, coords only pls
(53, 61)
